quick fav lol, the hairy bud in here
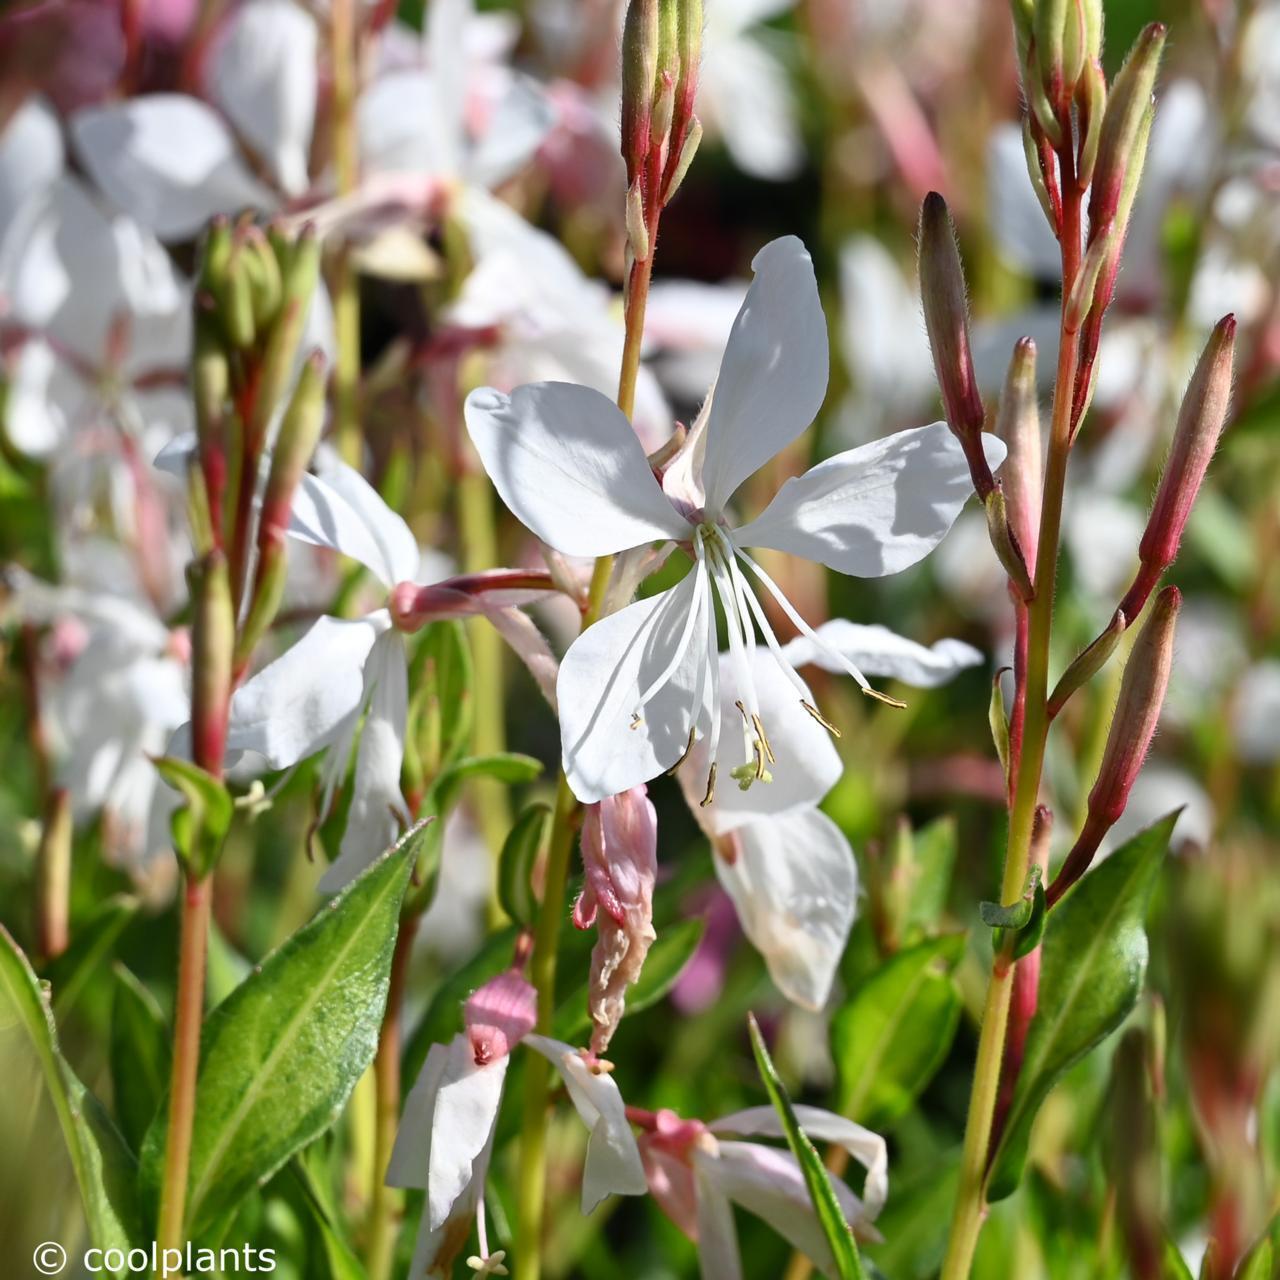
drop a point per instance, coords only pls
(1018, 425)
(213, 635)
(1088, 663)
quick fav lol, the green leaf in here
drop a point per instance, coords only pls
(889, 1040)
(933, 854)
(839, 1234)
(1259, 1264)
(1016, 916)
(442, 674)
(92, 943)
(139, 1056)
(515, 866)
(105, 1170)
(1173, 1265)
(663, 966)
(1092, 964)
(282, 1053)
(200, 826)
(340, 1260)
(999, 723)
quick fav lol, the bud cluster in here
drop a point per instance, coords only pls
(661, 55)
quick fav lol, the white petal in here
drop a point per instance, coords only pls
(1256, 718)
(30, 157)
(340, 509)
(774, 374)
(877, 651)
(567, 462)
(873, 510)
(168, 161)
(521, 120)
(377, 808)
(745, 92)
(718, 1256)
(768, 1183)
(45, 402)
(410, 1163)
(264, 78)
(795, 886)
(406, 126)
(807, 764)
(292, 707)
(613, 1165)
(602, 678)
(866, 1147)
(1021, 229)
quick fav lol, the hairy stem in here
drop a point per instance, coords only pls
(970, 1207)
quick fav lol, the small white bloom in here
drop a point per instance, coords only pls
(639, 688)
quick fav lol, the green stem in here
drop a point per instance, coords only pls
(546, 940)
(188, 1015)
(970, 1207)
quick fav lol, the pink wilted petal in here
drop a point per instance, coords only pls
(620, 858)
(499, 1015)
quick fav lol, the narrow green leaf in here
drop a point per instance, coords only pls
(1016, 915)
(999, 723)
(839, 1235)
(442, 672)
(90, 946)
(1173, 1266)
(515, 866)
(663, 966)
(340, 1260)
(1259, 1264)
(139, 1056)
(1093, 962)
(933, 851)
(282, 1053)
(890, 1039)
(105, 1171)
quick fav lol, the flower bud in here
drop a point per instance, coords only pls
(639, 75)
(1200, 422)
(235, 305)
(499, 1015)
(686, 130)
(1146, 676)
(1121, 140)
(1093, 106)
(211, 385)
(1005, 543)
(1088, 663)
(620, 858)
(213, 635)
(53, 876)
(1050, 30)
(215, 255)
(946, 316)
(1018, 425)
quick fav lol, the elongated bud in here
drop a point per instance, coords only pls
(946, 316)
(53, 876)
(637, 230)
(1018, 425)
(212, 647)
(692, 140)
(266, 284)
(235, 304)
(1085, 292)
(1200, 422)
(1093, 107)
(282, 342)
(215, 257)
(1031, 153)
(619, 856)
(1146, 676)
(1005, 542)
(1087, 663)
(211, 388)
(1075, 39)
(686, 130)
(1127, 104)
(639, 75)
(1050, 29)
(1142, 690)
(296, 442)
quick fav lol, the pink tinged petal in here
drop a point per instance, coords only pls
(671, 1184)
(602, 678)
(620, 858)
(768, 1183)
(877, 651)
(339, 509)
(774, 373)
(530, 646)
(168, 161)
(613, 1165)
(293, 706)
(807, 764)
(718, 1254)
(567, 462)
(868, 1148)
(264, 78)
(377, 809)
(500, 1014)
(794, 883)
(873, 510)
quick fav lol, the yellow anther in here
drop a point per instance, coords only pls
(820, 718)
(883, 697)
(711, 787)
(684, 755)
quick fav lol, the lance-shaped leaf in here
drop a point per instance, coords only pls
(92, 943)
(282, 1053)
(836, 1229)
(139, 1056)
(105, 1171)
(515, 866)
(890, 1039)
(1092, 964)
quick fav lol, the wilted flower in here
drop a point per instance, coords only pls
(637, 690)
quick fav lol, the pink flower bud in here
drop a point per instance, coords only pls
(946, 316)
(619, 855)
(499, 1015)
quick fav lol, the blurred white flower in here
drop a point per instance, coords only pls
(637, 689)
(1257, 713)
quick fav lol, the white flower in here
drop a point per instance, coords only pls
(787, 867)
(696, 1174)
(638, 689)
